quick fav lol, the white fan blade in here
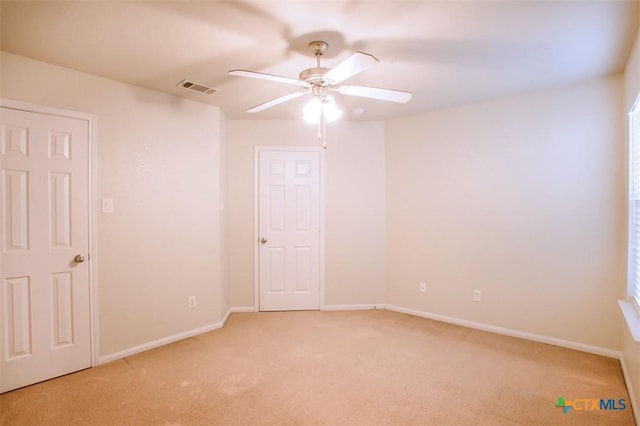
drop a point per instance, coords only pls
(270, 77)
(376, 93)
(351, 66)
(276, 101)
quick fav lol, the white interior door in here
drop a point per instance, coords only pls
(289, 230)
(44, 300)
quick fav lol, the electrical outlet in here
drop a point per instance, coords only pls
(423, 287)
(476, 295)
(192, 301)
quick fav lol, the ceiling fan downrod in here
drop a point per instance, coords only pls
(318, 48)
(315, 76)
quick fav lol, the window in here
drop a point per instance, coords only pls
(634, 203)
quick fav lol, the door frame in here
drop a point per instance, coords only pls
(256, 215)
(91, 197)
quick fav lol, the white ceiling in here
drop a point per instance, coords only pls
(446, 52)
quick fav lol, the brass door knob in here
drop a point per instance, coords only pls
(78, 258)
(263, 240)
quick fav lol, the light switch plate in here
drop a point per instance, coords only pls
(107, 205)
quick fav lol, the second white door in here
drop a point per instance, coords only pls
(289, 230)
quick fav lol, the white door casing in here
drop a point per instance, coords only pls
(289, 236)
(45, 294)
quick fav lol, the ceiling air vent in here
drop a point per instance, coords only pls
(200, 88)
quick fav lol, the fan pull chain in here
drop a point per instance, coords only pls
(324, 131)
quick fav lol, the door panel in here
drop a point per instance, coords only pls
(18, 320)
(16, 229)
(289, 225)
(44, 295)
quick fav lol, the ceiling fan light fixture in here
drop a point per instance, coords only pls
(317, 106)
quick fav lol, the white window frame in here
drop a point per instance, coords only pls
(633, 274)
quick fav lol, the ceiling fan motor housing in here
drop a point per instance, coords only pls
(315, 76)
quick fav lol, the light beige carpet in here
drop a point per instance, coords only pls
(331, 368)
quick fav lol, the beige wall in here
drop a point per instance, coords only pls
(159, 158)
(354, 213)
(630, 349)
(522, 198)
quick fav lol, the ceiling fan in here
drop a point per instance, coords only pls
(319, 81)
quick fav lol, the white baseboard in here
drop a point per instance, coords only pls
(361, 307)
(235, 309)
(225, 318)
(161, 342)
(632, 395)
(610, 353)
